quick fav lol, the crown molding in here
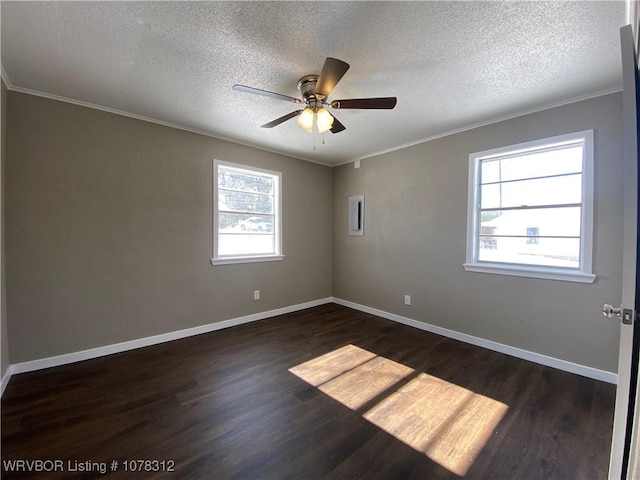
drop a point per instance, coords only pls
(144, 118)
(492, 121)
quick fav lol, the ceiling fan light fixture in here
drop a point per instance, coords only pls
(306, 119)
(324, 120)
(315, 91)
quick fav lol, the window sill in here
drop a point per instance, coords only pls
(531, 272)
(232, 260)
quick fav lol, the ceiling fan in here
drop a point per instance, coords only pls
(315, 91)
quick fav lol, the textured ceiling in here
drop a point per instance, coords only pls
(451, 64)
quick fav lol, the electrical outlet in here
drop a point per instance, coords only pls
(407, 299)
(256, 294)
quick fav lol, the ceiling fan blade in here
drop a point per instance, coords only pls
(265, 93)
(282, 119)
(332, 71)
(337, 127)
(382, 103)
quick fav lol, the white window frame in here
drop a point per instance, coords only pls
(583, 273)
(277, 209)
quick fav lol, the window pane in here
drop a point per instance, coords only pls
(239, 223)
(555, 222)
(490, 171)
(556, 252)
(247, 214)
(530, 165)
(543, 191)
(245, 244)
(234, 180)
(244, 202)
(530, 208)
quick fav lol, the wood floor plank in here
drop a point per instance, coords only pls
(327, 392)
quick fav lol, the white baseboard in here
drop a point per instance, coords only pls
(590, 372)
(58, 360)
(147, 341)
(5, 380)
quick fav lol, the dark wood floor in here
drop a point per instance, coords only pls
(327, 392)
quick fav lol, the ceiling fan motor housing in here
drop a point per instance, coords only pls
(307, 86)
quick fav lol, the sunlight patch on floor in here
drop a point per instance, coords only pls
(351, 375)
(331, 365)
(448, 423)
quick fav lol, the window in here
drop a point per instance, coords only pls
(547, 183)
(247, 220)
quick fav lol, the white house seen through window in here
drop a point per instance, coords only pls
(530, 209)
(247, 223)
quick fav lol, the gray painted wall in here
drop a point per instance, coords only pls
(109, 236)
(4, 336)
(415, 234)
